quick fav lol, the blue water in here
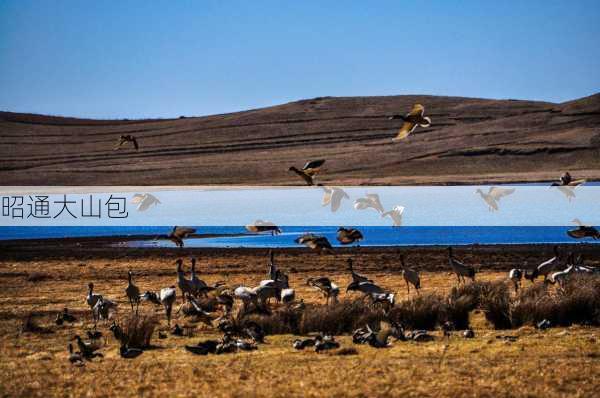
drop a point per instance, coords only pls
(374, 236)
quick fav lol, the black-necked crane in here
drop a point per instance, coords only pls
(411, 276)
(309, 171)
(132, 292)
(104, 308)
(549, 266)
(567, 180)
(178, 234)
(395, 215)
(368, 288)
(87, 350)
(515, 275)
(356, 277)
(325, 343)
(411, 120)
(184, 284)
(347, 236)
(369, 201)
(129, 352)
(92, 298)
(320, 244)
(144, 201)
(333, 196)
(300, 344)
(460, 269)
(583, 231)
(493, 195)
(128, 138)
(75, 357)
(327, 287)
(198, 286)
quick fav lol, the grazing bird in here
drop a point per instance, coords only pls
(548, 266)
(104, 308)
(129, 352)
(583, 231)
(325, 343)
(178, 234)
(327, 287)
(493, 196)
(309, 171)
(87, 350)
(118, 332)
(126, 139)
(333, 196)
(259, 226)
(299, 344)
(144, 201)
(411, 120)
(75, 357)
(347, 236)
(368, 288)
(203, 347)
(320, 244)
(355, 276)
(369, 201)
(461, 270)
(411, 276)
(68, 317)
(468, 334)
(515, 276)
(93, 334)
(395, 214)
(132, 292)
(167, 297)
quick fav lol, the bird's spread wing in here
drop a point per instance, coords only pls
(137, 198)
(327, 195)
(405, 130)
(182, 232)
(417, 110)
(498, 193)
(338, 195)
(376, 203)
(313, 164)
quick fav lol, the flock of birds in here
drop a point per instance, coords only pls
(246, 335)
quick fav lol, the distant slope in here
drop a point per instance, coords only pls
(470, 140)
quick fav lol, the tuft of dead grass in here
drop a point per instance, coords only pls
(138, 330)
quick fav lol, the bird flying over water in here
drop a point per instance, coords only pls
(125, 139)
(144, 201)
(263, 226)
(583, 231)
(371, 200)
(309, 171)
(347, 236)
(320, 244)
(395, 214)
(493, 196)
(178, 234)
(411, 120)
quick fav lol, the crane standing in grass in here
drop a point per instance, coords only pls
(411, 276)
(461, 270)
(133, 293)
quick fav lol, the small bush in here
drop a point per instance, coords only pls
(421, 312)
(138, 330)
(495, 302)
(30, 325)
(339, 318)
(38, 277)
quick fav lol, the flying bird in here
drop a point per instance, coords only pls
(371, 200)
(144, 201)
(125, 139)
(347, 236)
(259, 226)
(493, 196)
(309, 171)
(567, 180)
(411, 120)
(320, 244)
(395, 214)
(583, 231)
(178, 234)
(333, 196)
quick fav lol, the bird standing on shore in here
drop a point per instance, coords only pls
(309, 171)
(411, 120)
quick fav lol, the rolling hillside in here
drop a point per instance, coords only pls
(470, 140)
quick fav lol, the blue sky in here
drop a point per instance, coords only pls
(131, 59)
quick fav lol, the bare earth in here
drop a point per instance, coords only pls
(470, 141)
(552, 363)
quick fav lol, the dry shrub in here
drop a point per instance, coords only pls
(284, 320)
(38, 277)
(458, 310)
(421, 312)
(138, 329)
(495, 302)
(339, 318)
(577, 302)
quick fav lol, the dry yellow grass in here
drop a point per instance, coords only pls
(556, 362)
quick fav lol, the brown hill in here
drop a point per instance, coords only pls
(470, 140)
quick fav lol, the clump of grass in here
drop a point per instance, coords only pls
(421, 312)
(346, 351)
(495, 301)
(38, 277)
(29, 324)
(138, 330)
(340, 318)
(284, 320)
(458, 311)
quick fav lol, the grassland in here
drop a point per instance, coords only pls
(554, 362)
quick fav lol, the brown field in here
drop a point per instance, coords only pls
(555, 362)
(471, 140)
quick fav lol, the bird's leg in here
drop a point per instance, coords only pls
(408, 288)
